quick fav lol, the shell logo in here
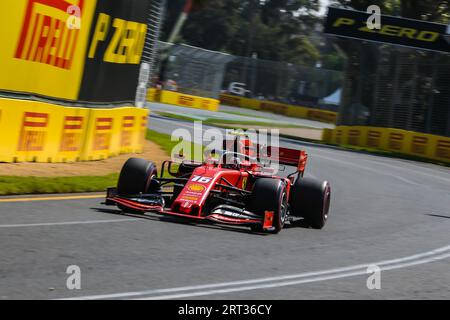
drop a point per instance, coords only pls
(196, 188)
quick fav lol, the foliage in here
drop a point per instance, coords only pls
(271, 29)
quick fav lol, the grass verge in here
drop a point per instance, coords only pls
(41, 185)
(245, 114)
(230, 123)
(165, 142)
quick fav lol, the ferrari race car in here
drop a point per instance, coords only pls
(235, 188)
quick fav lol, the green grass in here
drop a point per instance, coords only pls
(229, 123)
(245, 114)
(177, 116)
(41, 185)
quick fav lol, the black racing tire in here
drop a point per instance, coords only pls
(310, 199)
(269, 195)
(136, 176)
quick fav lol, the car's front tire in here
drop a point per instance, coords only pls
(270, 195)
(136, 177)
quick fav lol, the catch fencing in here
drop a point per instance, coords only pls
(395, 87)
(282, 82)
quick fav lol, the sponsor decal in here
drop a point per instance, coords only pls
(419, 145)
(205, 103)
(230, 100)
(201, 179)
(126, 40)
(72, 133)
(190, 198)
(396, 141)
(45, 36)
(244, 183)
(144, 121)
(353, 137)
(274, 107)
(196, 188)
(186, 101)
(102, 138)
(394, 30)
(33, 133)
(127, 130)
(373, 139)
(443, 149)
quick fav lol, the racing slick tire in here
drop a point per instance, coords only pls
(269, 195)
(136, 177)
(310, 199)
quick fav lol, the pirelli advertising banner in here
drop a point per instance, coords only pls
(116, 42)
(80, 50)
(394, 30)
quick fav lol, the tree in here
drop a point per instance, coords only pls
(273, 29)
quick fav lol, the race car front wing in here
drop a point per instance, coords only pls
(222, 214)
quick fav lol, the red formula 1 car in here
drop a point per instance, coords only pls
(233, 189)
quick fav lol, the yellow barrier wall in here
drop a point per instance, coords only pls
(42, 132)
(280, 108)
(181, 99)
(412, 143)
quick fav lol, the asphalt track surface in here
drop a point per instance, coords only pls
(389, 212)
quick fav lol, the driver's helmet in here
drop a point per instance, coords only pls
(246, 146)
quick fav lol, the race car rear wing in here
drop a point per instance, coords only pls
(284, 156)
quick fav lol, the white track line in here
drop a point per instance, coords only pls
(65, 223)
(271, 282)
(291, 283)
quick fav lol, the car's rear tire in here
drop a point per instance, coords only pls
(269, 195)
(136, 176)
(310, 199)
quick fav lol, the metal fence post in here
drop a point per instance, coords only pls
(154, 23)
